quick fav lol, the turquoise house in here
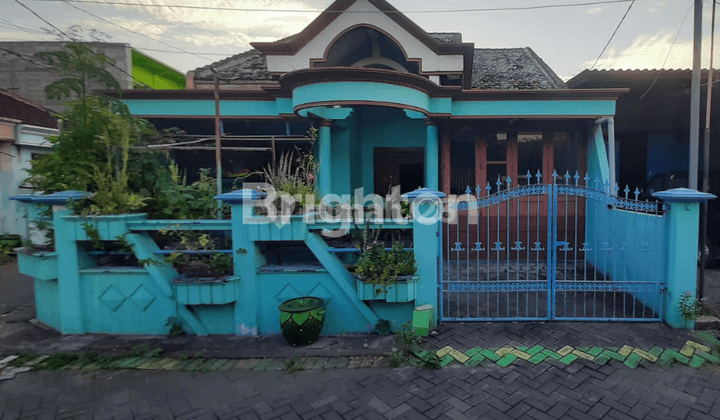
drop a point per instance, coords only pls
(510, 177)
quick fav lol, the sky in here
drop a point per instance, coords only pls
(569, 38)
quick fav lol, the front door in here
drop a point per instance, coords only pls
(398, 166)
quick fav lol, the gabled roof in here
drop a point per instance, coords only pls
(501, 69)
(249, 66)
(28, 112)
(293, 44)
(512, 68)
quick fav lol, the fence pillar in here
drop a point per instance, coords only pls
(324, 171)
(68, 260)
(427, 211)
(681, 242)
(246, 260)
(431, 156)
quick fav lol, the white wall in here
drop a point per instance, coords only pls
(431, 62)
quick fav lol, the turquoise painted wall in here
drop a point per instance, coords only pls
(385, 127)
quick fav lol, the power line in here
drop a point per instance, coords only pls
(669, 51)
(74, 40)
(235, 9)
(137, 33)
(30, 31)
(613, 34)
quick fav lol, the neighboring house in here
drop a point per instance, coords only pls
(652, 122)
(23, 73)
(395, 106)
(24, 129)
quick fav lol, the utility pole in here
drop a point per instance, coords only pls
(218, 153)
(695, 97)
(706, 159)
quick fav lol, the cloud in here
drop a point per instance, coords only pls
(649, 52)
(594, 10)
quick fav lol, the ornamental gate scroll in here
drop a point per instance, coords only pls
(566, 250)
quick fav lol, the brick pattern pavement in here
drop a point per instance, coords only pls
(544, 391)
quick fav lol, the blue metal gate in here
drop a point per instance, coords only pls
(550, 251)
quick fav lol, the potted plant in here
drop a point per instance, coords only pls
(301, 320)
(388, 275)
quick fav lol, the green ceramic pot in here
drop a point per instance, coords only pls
(301, 320)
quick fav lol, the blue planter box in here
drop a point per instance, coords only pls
(401, 291)
(206, 292)
(40, 265)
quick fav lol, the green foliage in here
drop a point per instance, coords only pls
(430, 360)
(383, 327)
(176, 328)
(690, 307)
(406, 336)
(200, 265)
(381, 267)
(146, 350)
(176, 200)
(397, 359)
(293, 174)
(94, 236)
(294, 364)
(6, 254)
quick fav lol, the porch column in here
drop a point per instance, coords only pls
(480, 162)
(324, 176)
(431, 156)
(446, 174)
(611, 151)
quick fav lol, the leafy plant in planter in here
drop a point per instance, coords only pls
(383, 268)
(199, 265)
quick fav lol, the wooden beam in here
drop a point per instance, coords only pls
(446, 164)
(480, 161)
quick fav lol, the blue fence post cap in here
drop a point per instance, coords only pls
(60, 197)
(241, 196)
(683, 195)
(423, 193)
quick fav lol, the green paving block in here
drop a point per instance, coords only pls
(535, 350)
(602, 359)
(709, 357)
(551, 354)
(320, 363)
(614, 355)
(332, 363)
(522, 349)
(584, 349)
(696, 362)
(247, 364)
(193, 365)
(538, 358)
(490, 354)
(343, 362)
(666, 358)
(473, 351)
(123, 363)
(633, 360)
(569, 359)
(263, 365)
(217, 364)
(475, 360)
(612, 348)
(656, 351)
(135, 364)
(506, 360)
(446, 360)
(595, 351)
(679, 357)
(709, 339)
(205, 366)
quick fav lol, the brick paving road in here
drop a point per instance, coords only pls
(545, 391)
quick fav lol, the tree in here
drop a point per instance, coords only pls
(97, 130)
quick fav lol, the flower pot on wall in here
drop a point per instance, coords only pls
(206, 291)
(403, 290)
(301, 320)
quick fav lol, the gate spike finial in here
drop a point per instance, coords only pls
(597, 184)
(468, 190)
(567, 177)
(528, 176)
(538, 175)
(637, 193)
(607, 187)
(587, 179)
(577, 177)
(509, 181)
(616, 188)
(488, 188)
(627, 190)
(478, 190)
(499, 183)
(554, 175)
